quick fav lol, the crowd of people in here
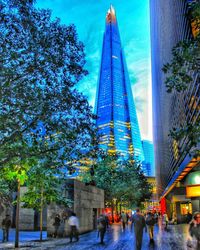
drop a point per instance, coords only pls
(147, 222)
(138, 221)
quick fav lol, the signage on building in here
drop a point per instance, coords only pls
(193, 191)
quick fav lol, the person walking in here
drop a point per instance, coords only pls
(127, 218)
(165, 220)
(56, 225)
(107, 221)
(189, 217)
(74, 227)
(123, 220)
(6, 224)
(194, 229)
(150, 221)
(101, 226)
(139, 224)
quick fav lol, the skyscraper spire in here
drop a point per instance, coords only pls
(111, 17)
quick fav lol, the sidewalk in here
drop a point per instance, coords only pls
(115, 239)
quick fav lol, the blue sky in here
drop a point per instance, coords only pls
(133, 22)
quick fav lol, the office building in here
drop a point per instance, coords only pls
(117, 121)
(173, 159)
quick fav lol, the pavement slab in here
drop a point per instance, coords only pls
(115, 239)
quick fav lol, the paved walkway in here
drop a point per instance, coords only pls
(115, 239)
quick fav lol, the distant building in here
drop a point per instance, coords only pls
(149, 157)
(117, 121)
(174, 164)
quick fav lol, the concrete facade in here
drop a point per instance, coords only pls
(88, 204)
(26, 215)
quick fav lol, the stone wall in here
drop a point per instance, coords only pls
(88, 203)
(26, 215)
(87, 198)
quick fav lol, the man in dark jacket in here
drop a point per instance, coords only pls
(139, 224)
(6, 223)
(56, 225)
(150, 221)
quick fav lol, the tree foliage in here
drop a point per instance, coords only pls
(41, 112)
(181, 72)
(44, 120)
(44, 186)
(122, 181)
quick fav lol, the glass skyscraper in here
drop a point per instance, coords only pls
(117, 120)
(149, 157)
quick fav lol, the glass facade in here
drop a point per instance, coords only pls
(117, 120)
(169, 25)
(149, 157)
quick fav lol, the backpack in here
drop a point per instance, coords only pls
(149, 220)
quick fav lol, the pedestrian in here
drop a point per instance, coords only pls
(150, 221)
(189, 217)
(101, 226)
(6, 224)
(194, 229)
(174, 218)
(107, 221)
(139, 224)
(74, 227)
(123, 220)
(165, 220)
(56, 225)
(156, 217)
(127, 218)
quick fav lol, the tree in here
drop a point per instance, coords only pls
(181, 71)
(44, 186)
(123, 182)
(131, 177)
(4, 193)
(41, 111)
(42, 115)
(17, 173)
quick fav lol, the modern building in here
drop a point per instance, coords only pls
(174, 163)
(117, 121)
(149, 157)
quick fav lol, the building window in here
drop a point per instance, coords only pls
(185, 208)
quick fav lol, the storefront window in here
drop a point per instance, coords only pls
(185, 208)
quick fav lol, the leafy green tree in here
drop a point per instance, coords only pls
(4, 191)
(44, 186)
(123, 182)
(132, 186)
(42, 114)
(181, 72)
(17, 173)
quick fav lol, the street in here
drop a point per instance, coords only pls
(115, 239)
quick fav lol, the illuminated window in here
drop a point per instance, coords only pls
(185, 208)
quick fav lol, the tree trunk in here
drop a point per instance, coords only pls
(17, 216)
(41, 215)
